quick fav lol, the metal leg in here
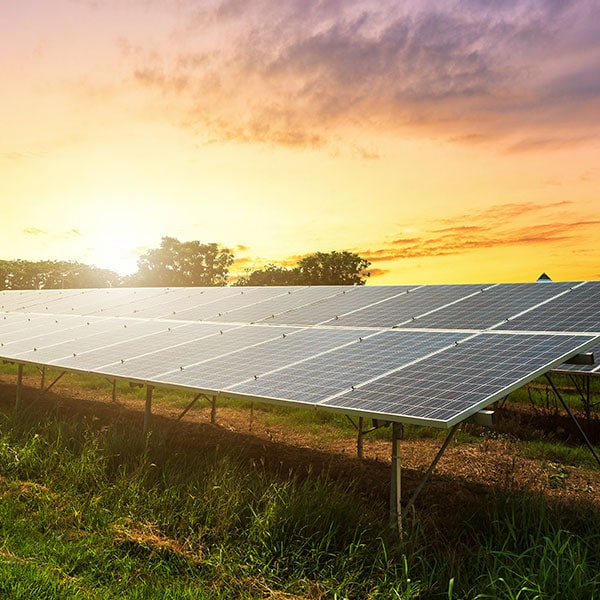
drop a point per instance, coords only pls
(148, 410)
(213, 410)
(19, 398)
(395, 488)
(360, 439)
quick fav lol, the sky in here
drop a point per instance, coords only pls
(444, 141)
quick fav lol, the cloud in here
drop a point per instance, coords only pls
(35, 231)
(39, 232)
(495, 227)
(469, 72)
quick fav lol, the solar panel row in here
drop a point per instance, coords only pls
(425, 354)
(557, 306)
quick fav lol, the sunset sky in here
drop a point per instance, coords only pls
(445, 141)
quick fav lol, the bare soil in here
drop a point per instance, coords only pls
(467, 474)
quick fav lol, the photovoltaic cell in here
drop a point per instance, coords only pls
(318, 378)
(332, 347)
(450, 386)
(345, 300)
(490, 307)
(404, 307)
(169, 358)
(576, 310)
(247, 363)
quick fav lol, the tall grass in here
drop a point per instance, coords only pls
(98, 511)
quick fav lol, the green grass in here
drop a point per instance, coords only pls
(97, 511)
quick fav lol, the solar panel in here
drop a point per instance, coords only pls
(405, 306)
(148, 365)
(346, 299)
(92, 348)
(251, 362)
(337, 371)
(450, 386)
(493, 305)
(227, 302)
(290, 298)
(425, 354)
(22, 300)
(576, 310)
(590, 369)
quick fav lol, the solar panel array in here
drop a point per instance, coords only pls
(430, 355)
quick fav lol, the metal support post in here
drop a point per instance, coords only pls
(213, 410)
(19, 398)
(148, 411)
(114, 390)
(360, 439)
(395, 487)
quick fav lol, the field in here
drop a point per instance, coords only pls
(274, 503)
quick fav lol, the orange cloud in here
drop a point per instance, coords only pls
(503, 225)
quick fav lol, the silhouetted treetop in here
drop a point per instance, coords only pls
(177, 263)
(53, 274)
(320, 268)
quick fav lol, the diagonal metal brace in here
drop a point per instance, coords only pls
(191, 404)
(574, 418)
(430, 470)
(48, 388)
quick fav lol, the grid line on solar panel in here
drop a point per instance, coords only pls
(406, 306)
(152, 364)
(269, 356)
(137, 347)
(290, 299)
(336, 371)
(223, 303)
(490, 307)
(327, 309)
(576, 310)
(91, 348)
(455, 383)
(35, 332)
(23, 299)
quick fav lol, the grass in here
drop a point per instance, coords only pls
(95, 510)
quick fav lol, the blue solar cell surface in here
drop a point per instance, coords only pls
(423, 354)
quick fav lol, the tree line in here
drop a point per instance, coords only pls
(176, 264)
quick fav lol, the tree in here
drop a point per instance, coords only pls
(269, 275)
(53, 274)
(333, 268)
(177, 263)
(320, 268)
